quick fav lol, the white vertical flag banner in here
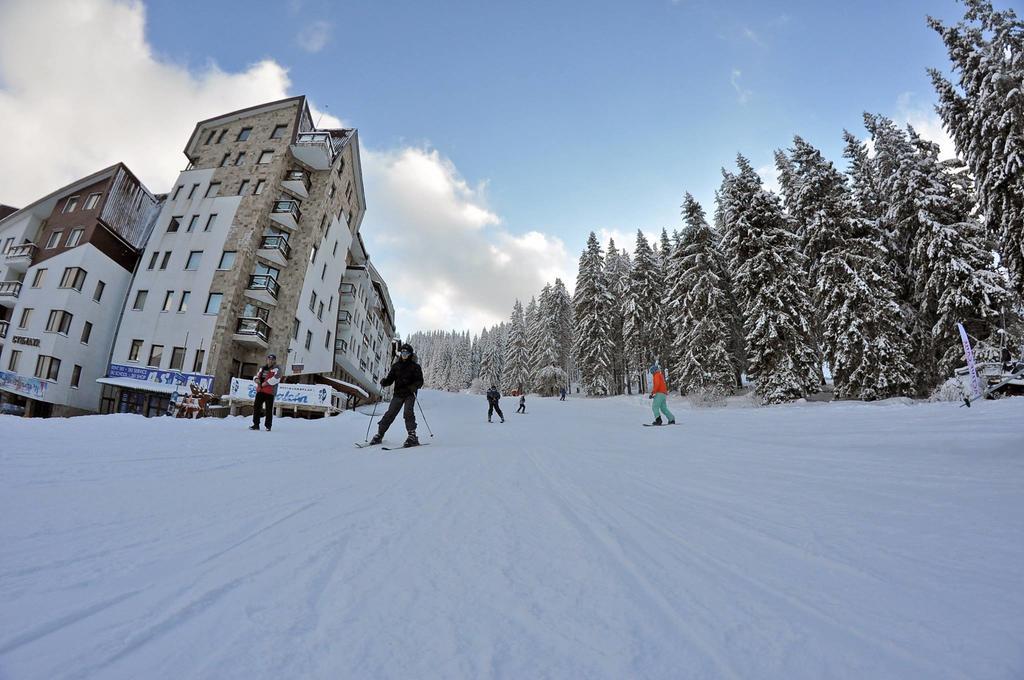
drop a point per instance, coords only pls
(969, 353)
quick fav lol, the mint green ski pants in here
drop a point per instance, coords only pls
(660, 406)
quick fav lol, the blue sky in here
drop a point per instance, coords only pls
(495, 136)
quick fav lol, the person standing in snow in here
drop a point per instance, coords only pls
(659, 392)
(266, 381)
(407, 377)
(563, 395)
(522, 404)
(493, 395)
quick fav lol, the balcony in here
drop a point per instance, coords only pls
(275, 248)
(296, 182)
(340, 346)
(252, 331)
(9, 291)
(347, 290)
(345, 318)
(315, 149)
(4, 325)
(19, 258)
(287, 214)
(263, 288)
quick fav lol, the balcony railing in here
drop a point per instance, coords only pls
(298, 176)
(264, 282)
(341, 345)
(345, 317)
(287, 208)
(278, 243)
(4, 325)
(322, 139)
(10, 288)
(347, 290)
(253, 326)
(25, 250)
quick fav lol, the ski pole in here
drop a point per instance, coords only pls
(424, 417)
(370, 424)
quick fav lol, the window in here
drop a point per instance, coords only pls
(168, 301)
(37, 280)
(7, 245)
(259, 187)
(210, 137)
(92, 201)
(156, 356)
(192, 191)
(183, 305)
(177, 190)
(74, 238)
(59, 322)
(213, 190)
(140, 300)
(295, 329)
(224, 161)
(213, 303)
(320, 312)
(220, 137)
(209, 222)
(312, 301)
(248, 371)
(266, 157)
(152, 260)
(133, 352)
(192, 223)
(76, 375)
(279, 131)
(167, 258)
(312, 254)
(334, 190)
(86, 333)
(98, 294)
(197, 365)
(327, 342)
(330, 304)
(26, 316)
(47, 368)
(335, 251)
(324, 272)
(227, 260)
(193, 260)
(243, 134)
(309, 338)
(74, 277)
(175, 223)
(71, 204)
(12, 363)
(348, 191)
(240, 158)
(242, 187)
(177, 359)
(54, 239)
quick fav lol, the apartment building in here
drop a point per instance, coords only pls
(66, 263)
(246, 257)
(365, 348)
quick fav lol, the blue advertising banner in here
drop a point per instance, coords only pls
(155, 375)
(29, 387)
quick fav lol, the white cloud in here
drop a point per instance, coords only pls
(443, 250)
(769, 177)
(742, 93)
(751, 35)
(315, 36)
(926, 121)
(103, 96)
(626, 239)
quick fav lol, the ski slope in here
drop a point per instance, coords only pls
(806, 541)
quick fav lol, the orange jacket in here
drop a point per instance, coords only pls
(659, 384)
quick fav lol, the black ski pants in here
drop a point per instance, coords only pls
(396, 405)
(522, 408)
(263, 402)
(492, 406)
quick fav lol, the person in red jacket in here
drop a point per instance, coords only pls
(266, 381)
(659, 392)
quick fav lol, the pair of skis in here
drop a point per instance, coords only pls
(366, 445)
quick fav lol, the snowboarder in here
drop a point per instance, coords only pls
(522, 404)
(563, 395)
(266, 380)
(659, 392)
(407, 377)
(493, 395)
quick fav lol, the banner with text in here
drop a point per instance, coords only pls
(299, 395)
(155, 375)
(29, 387)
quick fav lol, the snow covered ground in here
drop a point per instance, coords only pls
(812, 541)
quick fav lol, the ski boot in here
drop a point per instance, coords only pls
(254, 427)
(411, 441)
(377, 439)
(657, 421)
(503, 419)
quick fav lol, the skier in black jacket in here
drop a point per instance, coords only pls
(493, 395)
(407, 377)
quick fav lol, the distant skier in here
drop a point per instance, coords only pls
(493, 395)
(659, 392)
(407, 377)
(522, 404)
(562, 398)
(266, 380)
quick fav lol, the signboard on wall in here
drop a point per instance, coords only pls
(155, 375)
(297, 395)
(29, 387)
